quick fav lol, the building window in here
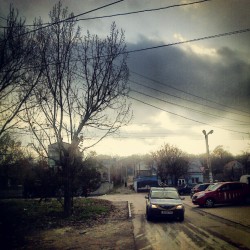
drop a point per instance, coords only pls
(195, 179)
(181, 182)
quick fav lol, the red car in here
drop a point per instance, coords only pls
(199, 187)
(222, 193)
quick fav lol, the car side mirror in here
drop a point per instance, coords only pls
(182, 198)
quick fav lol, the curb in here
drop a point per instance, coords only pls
(129, 211)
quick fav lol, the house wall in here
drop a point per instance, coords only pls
(194, 174)
(195, 178)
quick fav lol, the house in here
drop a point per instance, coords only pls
(195, 173)
(54, 153)
(144, 177)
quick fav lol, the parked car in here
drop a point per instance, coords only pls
(223, 193)
(199, 187)
(164, 202)
(186, 189)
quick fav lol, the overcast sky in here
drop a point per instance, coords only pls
(180, 89)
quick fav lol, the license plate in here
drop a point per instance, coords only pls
(166, 212)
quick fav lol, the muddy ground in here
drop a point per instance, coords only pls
(116, 232)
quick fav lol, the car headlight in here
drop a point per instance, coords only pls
(200, 195)
(179, 207)
(153, 206)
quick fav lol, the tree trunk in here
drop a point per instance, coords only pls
(67, 189)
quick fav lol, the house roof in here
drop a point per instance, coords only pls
(233, 164)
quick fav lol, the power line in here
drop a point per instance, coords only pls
(185, 92)
(142, 137)
(182, 42)
(187, 118)
(160, 46)
(193, 102)
(186, 124)
(192, 40)
(142, 11)
(187, 41)
(70, 18)
(179, 105)
(126, 13)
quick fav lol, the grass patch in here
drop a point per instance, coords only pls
(87, 209)
(22, 217)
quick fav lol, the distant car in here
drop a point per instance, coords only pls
(186, 189)
(222, 193)
(164, 202)
(199, 187)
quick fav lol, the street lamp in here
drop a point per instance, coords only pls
(208, 157)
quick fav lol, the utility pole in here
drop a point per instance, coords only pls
(208, 156)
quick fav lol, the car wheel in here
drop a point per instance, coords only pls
(148, 216)
(209, 203)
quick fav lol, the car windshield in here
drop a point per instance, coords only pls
(209, 188)
(214, 187)
(164, 194)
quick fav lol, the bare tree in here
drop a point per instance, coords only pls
(220, 157)
(16, 82)
(171, 163)
(83, 91)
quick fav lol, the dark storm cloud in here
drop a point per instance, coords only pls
(227, 13)
(224, 15)
(28, 9)
(223, 77)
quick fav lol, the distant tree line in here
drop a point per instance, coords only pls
(19, 167)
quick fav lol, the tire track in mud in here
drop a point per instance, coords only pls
(168, 234)
(204, 239)
(141, 240)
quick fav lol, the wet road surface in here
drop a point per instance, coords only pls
(199, 230)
